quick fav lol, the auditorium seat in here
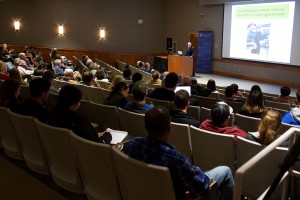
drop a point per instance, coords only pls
(29, 141)
(139, 180)
(97, 169)
(60, 157)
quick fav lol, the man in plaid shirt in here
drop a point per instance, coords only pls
(155, 150)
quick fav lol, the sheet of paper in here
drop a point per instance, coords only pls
(117, 136)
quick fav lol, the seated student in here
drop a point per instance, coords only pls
(88, 79)
(284, 97)
(182, 103)
(64, 115)
(3, 71)
(236, 90)
(135, 77)
(269, 124)
(10, 95)
(255, 87)
(14, 74)
(155, 78)
(167, 92)
(35, 106)
(254, 106)
(139, 91)
(211, 84)
(293, 116)
(220, 116)
(185, 177)
(229, 93)
(198, 90)
(118, 96)
(59, 68)
(115, 80)
(127, 73)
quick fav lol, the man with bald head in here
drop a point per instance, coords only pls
(185, 177)
(190, 50)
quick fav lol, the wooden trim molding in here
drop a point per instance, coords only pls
(262, 80)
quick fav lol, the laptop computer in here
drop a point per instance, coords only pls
(179, 53)
(187, 88)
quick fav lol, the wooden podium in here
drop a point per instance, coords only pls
(180, 64)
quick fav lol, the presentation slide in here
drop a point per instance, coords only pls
(260, 32)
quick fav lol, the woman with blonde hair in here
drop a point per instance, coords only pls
(116, 79)
(269, 124)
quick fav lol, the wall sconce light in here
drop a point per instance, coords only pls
(17, 25)
(60, 29)
(102, 34)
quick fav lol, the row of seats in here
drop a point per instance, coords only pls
(77, 165)
(146, 76)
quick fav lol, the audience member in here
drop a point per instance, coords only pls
(65, 115)
(101, 75)
(293, 116)
(14, 74)
(23, 68)
(167, 92)
(255, 87)
(3, 71)
(139, 91)
(59, 68)
(269, 124)
(254, 106)
(35, 106)
(139, 64)
(211, 84)
(198, 90)
(127, 73)
(155, 78)
(49, 77)
(284, 97)
(163, 78)
(135, 77)
(220, 116)
(236, 90)
(148, 68)
(182, 103)
(10, 95)
(54, 54)
(88, 79)
(118, 95)
(115, 80)
(185, 177)
(229, 93)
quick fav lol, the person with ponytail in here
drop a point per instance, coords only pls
(269, 124)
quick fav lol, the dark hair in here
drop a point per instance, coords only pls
(219, 113)
(136, 77)
(235, 87)
(285, 91)
(48, 76)
(69, 95)
(116, 89)
(255, 87)
(100, 74)
(255, 99)
(298, 96)
(211, 84)
(157, 121)
(181, 99)
(38, 86)
(127, 73)
(229, 91)
(171, 80)
(8, 90)
(87, 76)
(194, 81)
